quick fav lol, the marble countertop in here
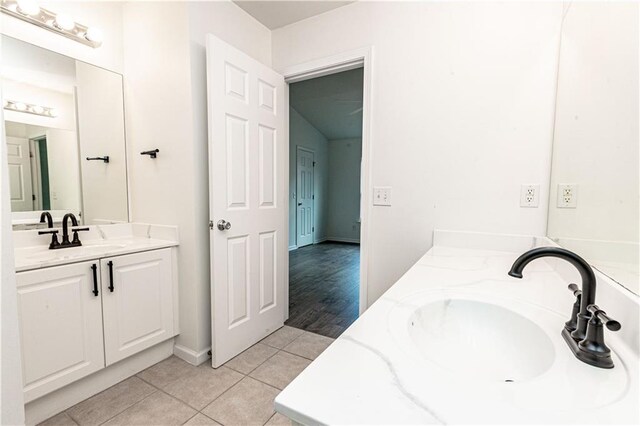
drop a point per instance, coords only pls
(32, 250)
(371, 375)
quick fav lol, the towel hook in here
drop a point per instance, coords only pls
(151, 153)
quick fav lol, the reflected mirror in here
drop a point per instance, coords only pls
(64, 128)
(593, 205)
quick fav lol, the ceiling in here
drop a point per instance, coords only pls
(276, 14)
(332, 104)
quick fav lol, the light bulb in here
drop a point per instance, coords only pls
(94, 34)
(20, 106)
(37, 109)
(64, 22)
(28, 7)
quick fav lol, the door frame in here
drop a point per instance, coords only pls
(313, 201)
(345, 61)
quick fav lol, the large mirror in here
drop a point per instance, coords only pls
(594, 194)
(64, 130)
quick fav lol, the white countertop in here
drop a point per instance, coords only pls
(373, 374)
(32, 250)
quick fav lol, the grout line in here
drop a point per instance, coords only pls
(187, 421)
(269, 419)
(131, 406)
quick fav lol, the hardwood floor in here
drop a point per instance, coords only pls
(324, 287)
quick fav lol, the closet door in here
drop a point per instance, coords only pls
(60, 317)
(138, 304)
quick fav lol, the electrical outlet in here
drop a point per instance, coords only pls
(529, 195)
(567, 195)
(382, 196)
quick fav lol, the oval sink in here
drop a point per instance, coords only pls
(480, 340)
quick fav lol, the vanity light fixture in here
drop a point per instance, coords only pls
(30, 108)
(59, 23)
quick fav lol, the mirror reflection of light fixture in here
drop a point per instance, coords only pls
(59, 23)
(30, 108)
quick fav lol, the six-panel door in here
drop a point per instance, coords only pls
(60, 320)
(137, 302)
(247, 163)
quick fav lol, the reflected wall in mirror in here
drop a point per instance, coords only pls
(47, 152)
(594, 194)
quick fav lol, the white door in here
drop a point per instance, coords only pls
(304, 197)
(137, 302)
(247, 163)
(60, 318)
(21, 189)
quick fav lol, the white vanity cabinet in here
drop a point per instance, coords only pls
(73, 324)
(137, 302)
(60, 325)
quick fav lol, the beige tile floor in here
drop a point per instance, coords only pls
(174, 392)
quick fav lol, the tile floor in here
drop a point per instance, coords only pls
(174, 392)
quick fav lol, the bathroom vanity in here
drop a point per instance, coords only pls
(456, 340)
(85, 309)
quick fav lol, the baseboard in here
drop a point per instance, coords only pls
(293, 247)
(320, 240)
(191, 356)
(343, 240)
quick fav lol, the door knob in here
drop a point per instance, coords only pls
(299, 204)
(223, 225)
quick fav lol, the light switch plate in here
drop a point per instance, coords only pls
(381, 195)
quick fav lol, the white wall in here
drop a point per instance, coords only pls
(101, 130)
(165, 98)
(463, 100)
(302, 133)
(64, 175)
(343, 203)
(596, 134)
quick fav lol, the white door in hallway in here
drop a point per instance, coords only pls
(247, 163)
(21, 189)
(304, 197)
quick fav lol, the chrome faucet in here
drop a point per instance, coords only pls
(583, 332)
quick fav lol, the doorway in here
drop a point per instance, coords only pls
(325, 137)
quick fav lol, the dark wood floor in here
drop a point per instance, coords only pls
(324, 287)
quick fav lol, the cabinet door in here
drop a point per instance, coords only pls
(137, 302)
(60, 326)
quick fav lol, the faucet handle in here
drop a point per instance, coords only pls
(575, 289)
(598, 314)
(572, 324)
(76, 240)
(54, 238)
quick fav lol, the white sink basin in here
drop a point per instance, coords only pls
(480, 341)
